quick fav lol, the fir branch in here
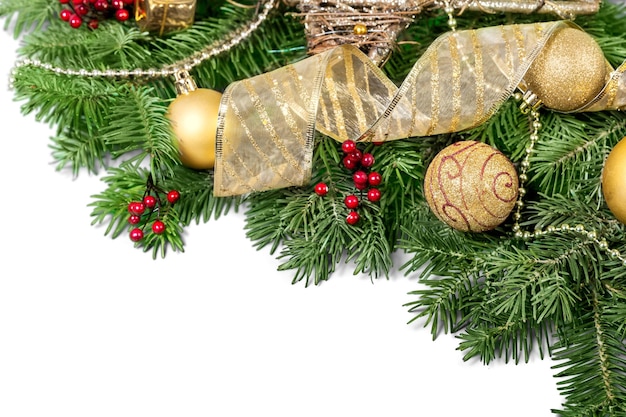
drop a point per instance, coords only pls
(79, 150)
(264, 224)
(136, 125)
(572, 149)
(27, 15)
(512, 340)
(324, 236)
(592, 354)
(70, 103)
(371, 252)
(125, 184)
(113, 45)
(441, 302)
(197, 203)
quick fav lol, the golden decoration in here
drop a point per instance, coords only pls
(330, 23)
(359, 29)
(471, 186)
(614, 181)
(164, 16)
(193, 115)
(569, 72)
(267, 123)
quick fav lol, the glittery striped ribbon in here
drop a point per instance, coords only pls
(267, 123)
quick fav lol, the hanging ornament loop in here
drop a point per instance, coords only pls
(184, 82)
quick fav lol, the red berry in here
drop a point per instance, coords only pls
(136, 235)
(75, 21)
(173, 196)
(373, 195)
(150, 201)
(101, 5)
(137, 208)
(378, 143)
(350, 163)
(348, 146)
(321, 189)
(158, 227)
(134, 219)
(122, 15)
(367, 160)
(128, 2)
(374, 178)
(77, 2)
(93, 24)
(351, 201)
(64, 1)
(117, 4)
(359, 177)
(353, 217)
(360, 186)
(356, 155)
(65, 15)
(81, 9)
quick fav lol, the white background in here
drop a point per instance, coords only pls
(91, 327)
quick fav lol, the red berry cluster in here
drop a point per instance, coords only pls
(93, 11)
(359, 163)
(143, 210)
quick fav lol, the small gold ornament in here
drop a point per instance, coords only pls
(359, 29)
(569, 72)
(193, 115)
(164, 16)
(471, 186)
(614, 181)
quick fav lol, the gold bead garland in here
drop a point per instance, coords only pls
(530, 105)
(210, 51)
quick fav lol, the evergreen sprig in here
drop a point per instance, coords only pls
(561, 293)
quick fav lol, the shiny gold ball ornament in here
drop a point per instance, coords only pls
(471, 186)
(569, 71)
(193, 116)
(614, 181)
(359, 29)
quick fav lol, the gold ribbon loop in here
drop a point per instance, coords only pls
(267, 123)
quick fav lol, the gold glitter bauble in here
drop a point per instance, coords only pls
(471, 186)
(614, 181)
(569, 71)
(194, 122)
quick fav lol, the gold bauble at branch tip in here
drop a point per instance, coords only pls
(193, 116)
(569, 71)
(614, 181)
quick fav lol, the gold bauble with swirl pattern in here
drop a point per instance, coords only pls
(569, 71)
(614, 181)
(471, 186)
(193, 116)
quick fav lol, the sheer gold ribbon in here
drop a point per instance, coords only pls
(267, 123)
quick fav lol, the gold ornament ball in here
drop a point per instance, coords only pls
(471, 186)
(569, 71)
(359, 29)
(614, 181)
(194, 121)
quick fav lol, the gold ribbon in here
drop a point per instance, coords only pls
(267, 123)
